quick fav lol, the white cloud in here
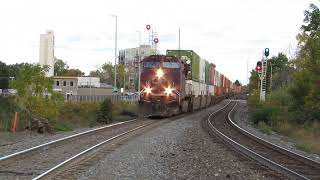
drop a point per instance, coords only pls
(227, 33)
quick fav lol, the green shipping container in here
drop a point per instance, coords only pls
(194, 58)
(207, 72)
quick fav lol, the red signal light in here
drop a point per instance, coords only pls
(259, 66)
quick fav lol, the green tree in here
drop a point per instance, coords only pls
(4, 82)
(73, 73)
(106, 74)
(305, 89)
(35, 91)
(60, 67)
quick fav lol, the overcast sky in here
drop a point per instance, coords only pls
(229, 33)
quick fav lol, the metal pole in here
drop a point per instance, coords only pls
(90, 85)
(179, 44)
(139, 61)
(115, 54)
(115, 51)
(271, 77)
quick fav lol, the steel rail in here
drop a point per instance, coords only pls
(43, 175)
(280, 149)
(270, 164)
(45, 145)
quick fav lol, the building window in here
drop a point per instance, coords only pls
(64, 83)
(71, 83)
(58, 83)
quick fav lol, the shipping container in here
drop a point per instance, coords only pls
(188, 55)
(207, 72)
(203, 89)
(212, 74)
(211, 90)
(202, 70)
(216, 78)
(192, 88)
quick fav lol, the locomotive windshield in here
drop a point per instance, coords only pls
(151, 64)
(172, 65)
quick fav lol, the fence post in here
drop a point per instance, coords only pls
(15, 122)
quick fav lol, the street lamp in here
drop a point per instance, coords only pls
(139, 59)
(115, 51)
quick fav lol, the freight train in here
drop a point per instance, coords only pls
(180, 81)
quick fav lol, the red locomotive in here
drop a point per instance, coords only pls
(162, 85)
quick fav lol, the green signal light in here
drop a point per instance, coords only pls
(266, 52)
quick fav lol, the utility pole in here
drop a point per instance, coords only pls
(179, 45)
(115, 52)
(139, 62)
(271, 76)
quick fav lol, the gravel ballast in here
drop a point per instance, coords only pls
(181, 149)
(241, 118)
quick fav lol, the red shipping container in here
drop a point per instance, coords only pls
(211, 74)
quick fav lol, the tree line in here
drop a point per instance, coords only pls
(294, 93)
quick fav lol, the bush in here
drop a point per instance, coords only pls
(76, 114)
(8, 106)
(105, 112)
(125, 108)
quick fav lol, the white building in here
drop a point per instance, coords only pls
(46, 56)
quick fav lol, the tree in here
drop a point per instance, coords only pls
(4, 82)
(237, 83)
(305, 89)
(61, 68)
(35, 91)
(106, 74)
(73, 73)
(282, 71)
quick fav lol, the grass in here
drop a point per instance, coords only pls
(306, 138)
(264, 128)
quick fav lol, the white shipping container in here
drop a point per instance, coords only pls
(192, 87)
(203, 89)
(211, 90)
(202, 71)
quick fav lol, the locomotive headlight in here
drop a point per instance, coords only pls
(159, 73)
(168, 90)
(147, 90)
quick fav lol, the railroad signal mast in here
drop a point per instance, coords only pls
(261, 68)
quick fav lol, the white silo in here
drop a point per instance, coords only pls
(46, 56)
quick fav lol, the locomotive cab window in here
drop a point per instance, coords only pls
(150, 64)
(171, 65)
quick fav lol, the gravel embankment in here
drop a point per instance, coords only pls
(241, 118)
(15, 142)
(181, 149)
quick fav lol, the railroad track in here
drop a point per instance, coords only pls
(32, 162)
(68, 157)
(278, 159)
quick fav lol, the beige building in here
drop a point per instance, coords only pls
(88, 86)
(46, 52)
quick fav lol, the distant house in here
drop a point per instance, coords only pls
(88, 86)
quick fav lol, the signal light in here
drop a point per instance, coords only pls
(259, 66)
(266, 52)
